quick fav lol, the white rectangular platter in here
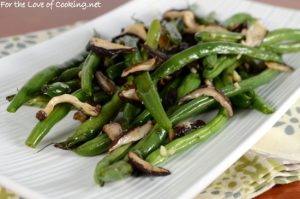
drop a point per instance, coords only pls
(54, 173)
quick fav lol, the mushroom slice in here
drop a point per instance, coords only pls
(80, 116)
(279, 67)
(146, 167)
(211, 92)
(185, 127)
(137, 29)
(147, 65)
(67, 98)
(130, 95)
(191, 26)
(105, 47)
(113, 130)
(255, 35)
(187, 16)
(133, 135)
(107, 85)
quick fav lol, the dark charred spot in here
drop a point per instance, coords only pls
(41, 115)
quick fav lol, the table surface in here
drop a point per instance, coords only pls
(19, 21)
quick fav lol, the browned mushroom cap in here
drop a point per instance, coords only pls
(130, 95)
(107, 85)
(279, 67)
(212, 92)
(147, 65)
(185, 127)
(133, 135)
(146, 167)
(67, 98)
(105, 47)
(80, 116)
(255, 34)
(113, 130)
(187, 16)
(137, 29)
(191, 26)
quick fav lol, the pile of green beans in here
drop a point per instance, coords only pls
(185, 62)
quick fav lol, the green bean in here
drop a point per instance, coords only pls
(43, 127)
(141, 118)
(157, 135)
(206, 36)
(88, 70)
(117, 171)
(146, 88)
(281, 35)
(73, 84)
(153, 34)
(261, 105)
(101, 97)
(133, 58)
(56, 88)
(237, 20)
(69, 74)
(129, 113)
(176, 62)
(111, 158)
(223, 63)
(32, 88)
(192, 138)
(93, 147)
(151, 100)
(90, 128)
(145, 115)
(210, 61)
(189, 83)
(39, 101)
(218, 83)
(284, 48)
(116, 70)
(243, 100)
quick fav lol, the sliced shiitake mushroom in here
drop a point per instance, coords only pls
(107, 48)
(147, 65)
(107, 85)
(191, 26)
(137, 29)
(129, 94)
(255, 34)
(71, 99)
(184, 128)
(145, 167)
(133, 135)
(113, 130)
(212, 92)
(80, 116)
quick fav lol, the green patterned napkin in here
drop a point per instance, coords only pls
(264, 166)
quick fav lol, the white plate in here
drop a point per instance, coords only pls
(54, 173)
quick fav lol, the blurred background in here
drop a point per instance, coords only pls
(19, 20)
